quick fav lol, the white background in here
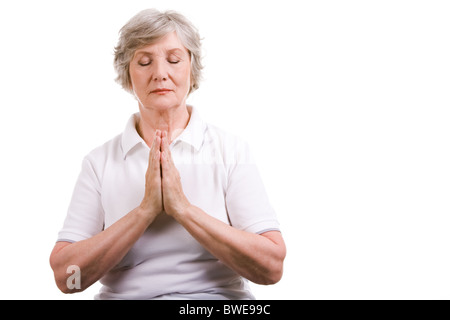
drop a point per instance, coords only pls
(345, 104)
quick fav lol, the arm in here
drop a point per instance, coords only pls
(258, 258)
(99, 254)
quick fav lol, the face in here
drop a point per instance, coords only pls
(160, 74)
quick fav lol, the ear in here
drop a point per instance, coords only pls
(131, 89)
(191, 85)
(130, 83)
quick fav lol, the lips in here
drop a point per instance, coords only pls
(161, 91)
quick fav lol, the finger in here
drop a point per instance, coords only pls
(167, 166)
(154, 156)
(164, 161)
(157, 151)
(163, 144)
(166, 146)
(153, 146)
(157, 166)
(151, 156)
(156, 161)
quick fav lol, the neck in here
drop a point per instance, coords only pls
(172, 120)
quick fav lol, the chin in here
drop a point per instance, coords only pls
(161, 105)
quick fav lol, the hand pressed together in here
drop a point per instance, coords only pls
(152, 202)
(174, 199)
(163, 189)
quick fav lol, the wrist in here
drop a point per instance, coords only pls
(183, 212)
(145, 214)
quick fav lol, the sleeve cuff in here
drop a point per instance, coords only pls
(263, 226)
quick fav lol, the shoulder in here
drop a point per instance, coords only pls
(233, 147)
(114, 148)
(99, 156)
(227, 138)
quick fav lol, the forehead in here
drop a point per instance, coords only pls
(170, 43)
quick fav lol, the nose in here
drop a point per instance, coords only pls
(160, 72)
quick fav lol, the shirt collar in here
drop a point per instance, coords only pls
(193, 134)
(130, 136)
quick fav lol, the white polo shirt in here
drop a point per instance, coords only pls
(218, 175)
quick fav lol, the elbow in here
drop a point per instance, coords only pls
(271, 267)
(274, 273)
(67, 284)
(275, 276)
(68, 280)
(63, 282)
(272, 276)
(267, 277)
(63, 287)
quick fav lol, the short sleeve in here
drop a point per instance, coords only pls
(247, 202)
(85, 216)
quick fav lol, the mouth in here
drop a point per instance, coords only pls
(161, 91)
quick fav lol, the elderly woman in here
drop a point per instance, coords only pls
(172, 208)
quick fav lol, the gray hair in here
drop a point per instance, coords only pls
(147, 27)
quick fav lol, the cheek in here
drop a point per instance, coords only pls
(133, 77)
(134, 74)
(184, 78)
(138, 81)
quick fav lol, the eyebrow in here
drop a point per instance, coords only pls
(169, 51)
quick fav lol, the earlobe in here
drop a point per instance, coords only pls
(191, 85)
(130, 83)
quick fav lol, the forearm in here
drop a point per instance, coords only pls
(255, 257)
(97, 255)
